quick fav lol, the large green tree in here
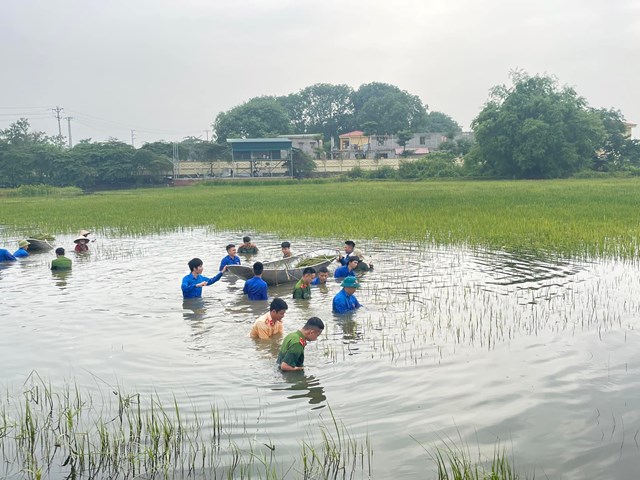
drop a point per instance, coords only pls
(257, 118)
(618, 151)
(440, 122)
(321, 108)
(535, 128)
(391, 109)
(27, 157)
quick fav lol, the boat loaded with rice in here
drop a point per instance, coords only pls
(286, 270)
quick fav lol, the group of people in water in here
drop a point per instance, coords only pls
(291, 355)
(59, 263)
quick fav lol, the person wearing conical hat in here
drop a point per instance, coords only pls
(82, 244)
(23, 246)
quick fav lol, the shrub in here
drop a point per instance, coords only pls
(434, 165)
(42, 191)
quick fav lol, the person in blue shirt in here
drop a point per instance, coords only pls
(323, 275)
(348, 270)
(349, 245)
(345, 300)
(5, 256)
(231, 258)
(256, 287)
(350, 250)
(22, 250)
(192, 284)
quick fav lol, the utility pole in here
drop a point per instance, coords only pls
(69, 125)
(207, 132)
(133, 135)
(58, 111)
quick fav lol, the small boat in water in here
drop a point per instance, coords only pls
(286, 270)
(40, 245)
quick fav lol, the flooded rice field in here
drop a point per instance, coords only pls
(473, 348)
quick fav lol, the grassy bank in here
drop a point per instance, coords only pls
(592, 218)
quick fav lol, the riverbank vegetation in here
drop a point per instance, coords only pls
(581, 218)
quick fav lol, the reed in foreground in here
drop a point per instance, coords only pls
(65, 433)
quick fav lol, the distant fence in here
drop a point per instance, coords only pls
(242, 168)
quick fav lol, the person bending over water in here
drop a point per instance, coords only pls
(291, 356)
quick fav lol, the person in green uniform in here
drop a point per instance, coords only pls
(302, 290)
(247, 247)
(291, 356)
(60, 262)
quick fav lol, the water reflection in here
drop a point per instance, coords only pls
(522, 269)
(194, 313)
(443, 323)
(308, 386)
(61, 277)
(268, 349)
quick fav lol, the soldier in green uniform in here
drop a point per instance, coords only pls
(302, 290)
(60, 262)
(291, 356)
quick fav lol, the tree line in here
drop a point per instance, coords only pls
(533, 128)
(375, 108)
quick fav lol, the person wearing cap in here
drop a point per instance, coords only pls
(350, 250)
(192, 284)
(345, 301)
(231, 258)
(82, 244)
(60, 262)
(302, 290)
(23, 246)
(256, 288)
(348, 270)
(323, 276)
(291, 356)
(270, 323)
(286, 249)
(247, 248)
(6, 256)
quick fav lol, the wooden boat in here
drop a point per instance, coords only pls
(39, 245)
(285, 270)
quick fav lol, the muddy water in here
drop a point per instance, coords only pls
(474, 346)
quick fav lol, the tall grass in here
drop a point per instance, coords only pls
(586, 218)
(48, 432)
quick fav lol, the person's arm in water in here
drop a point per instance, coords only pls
(285, 367)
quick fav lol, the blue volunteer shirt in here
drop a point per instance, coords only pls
(256, 289)
(189, 289)
(21, 252)
(229, 261)
(5, 256)
(343, 271)
(343, 303)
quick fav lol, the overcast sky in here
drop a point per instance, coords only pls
(166, 68)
